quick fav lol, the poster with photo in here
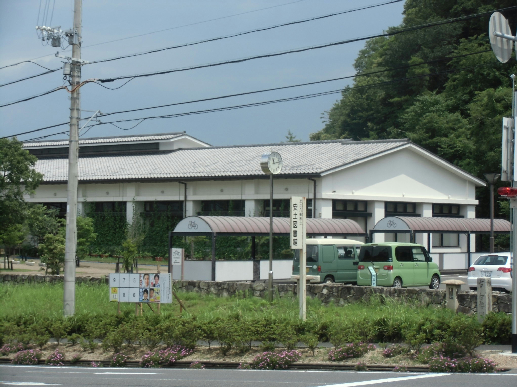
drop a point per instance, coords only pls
(145, 287)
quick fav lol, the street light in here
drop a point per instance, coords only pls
(491, 178)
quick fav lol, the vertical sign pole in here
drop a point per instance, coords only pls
(182, 262)
(270, 281)
(303, 260)
(513, 205)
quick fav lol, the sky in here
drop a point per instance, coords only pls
(120, 27)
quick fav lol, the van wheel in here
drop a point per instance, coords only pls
(329, 280)
(435, 282)
(397, 282)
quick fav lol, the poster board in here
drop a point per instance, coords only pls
(144, 287)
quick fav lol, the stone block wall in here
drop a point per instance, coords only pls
(326, 293)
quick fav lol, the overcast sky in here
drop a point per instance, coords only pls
(109, 30)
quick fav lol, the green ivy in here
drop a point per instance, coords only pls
(110, 227)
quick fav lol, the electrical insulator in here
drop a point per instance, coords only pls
(56, 41)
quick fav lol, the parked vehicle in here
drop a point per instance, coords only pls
(330, 260)
(497, 266)
(398, 265)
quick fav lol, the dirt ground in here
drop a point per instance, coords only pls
(86, 268)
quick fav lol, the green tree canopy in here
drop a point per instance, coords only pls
(17, 177)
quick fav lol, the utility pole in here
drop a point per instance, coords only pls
(73, 155)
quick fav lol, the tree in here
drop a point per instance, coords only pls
(53, 253)
(85, 236)
(41, 221)
(17, 177)
(291, 137)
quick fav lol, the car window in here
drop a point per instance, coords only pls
(345, 252)
(418, 254)
(375, 254)
(491, 260)
(403, 254)
(312, 254)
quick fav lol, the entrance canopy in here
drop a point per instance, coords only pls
(440, 225)
(258, 226)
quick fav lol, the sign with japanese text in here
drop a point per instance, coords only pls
(298, 222)
(146, 287)
(176, 256)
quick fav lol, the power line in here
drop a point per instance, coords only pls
(33, 76)
(265, 90)
(396, 32)
(246, 32)
(155, 32)
(33, 97)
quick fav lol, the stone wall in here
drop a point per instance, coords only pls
(327, 293)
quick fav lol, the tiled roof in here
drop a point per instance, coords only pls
(104, 140)
(218, 162)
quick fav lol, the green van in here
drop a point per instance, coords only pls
(398, 265)
(330, 260)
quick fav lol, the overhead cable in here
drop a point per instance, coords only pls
(245, 32)
(269, 55)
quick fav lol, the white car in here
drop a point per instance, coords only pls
(497, 266)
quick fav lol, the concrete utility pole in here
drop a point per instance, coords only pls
(73, 155)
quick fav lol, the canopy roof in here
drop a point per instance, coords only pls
(238, 225)
(440, 225)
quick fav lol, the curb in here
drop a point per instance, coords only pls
(233, 365)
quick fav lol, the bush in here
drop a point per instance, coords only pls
(27, 357)
(166, 357)
(76, 357)
(497, 328)
(197, 365)
(275, 361)
(361, 366)
(466, 364)
(119, 360)
(6, 349)
(353, 350)
(395, 350)
(442, 350)
(56, 358)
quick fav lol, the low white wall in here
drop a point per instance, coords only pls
(231, 270)
(282, 269)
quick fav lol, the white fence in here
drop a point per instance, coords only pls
(231, 270)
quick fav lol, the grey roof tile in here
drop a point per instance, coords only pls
(298, 158)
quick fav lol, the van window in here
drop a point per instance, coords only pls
(418, 254)
(345, 252)
(375, 254)
(312, 254)
(403, 254)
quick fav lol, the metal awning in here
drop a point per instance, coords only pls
(213, 226)
(258, 226)
(440, 225)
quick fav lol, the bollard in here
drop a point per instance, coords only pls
(484, 301)
(452, 287)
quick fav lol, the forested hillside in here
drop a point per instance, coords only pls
(441, 87)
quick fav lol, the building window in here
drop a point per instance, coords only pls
(403, 237)
(446, 240)
(59, 207)
(446, 210)
(222, 208)
(348, 206)
(119, 207)
(280, 208)
(174, 208)
(400, 208)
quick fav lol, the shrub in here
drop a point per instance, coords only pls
(442, 350)
(76, 357)
(400, 369)
(466, 364)
(119, 360)
(395, 350)
(361, 366)
(165, 357)
(95, 364)
(311, 341)
(27, 357)
(352, 350)
(497, 328)
(275, 361)
(6, 349)
(197, 365)
(56, 358)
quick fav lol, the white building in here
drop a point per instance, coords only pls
(361, 180)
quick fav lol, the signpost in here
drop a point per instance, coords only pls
(297, 239)
(501, 40)
(374, 275)
(177, 259)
